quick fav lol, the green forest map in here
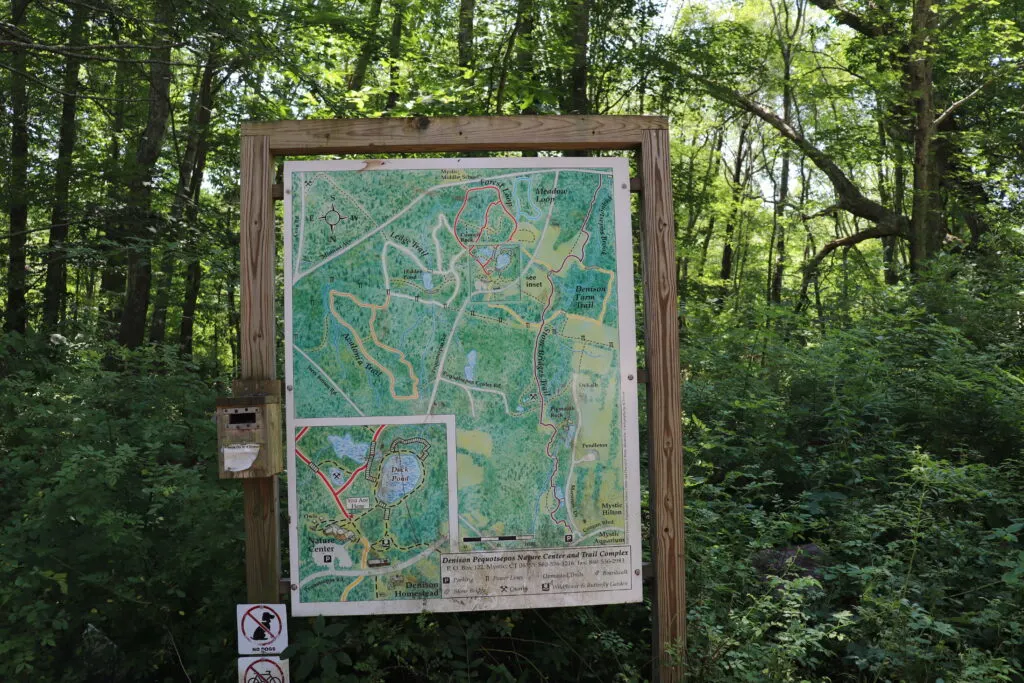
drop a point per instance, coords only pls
(487, 294)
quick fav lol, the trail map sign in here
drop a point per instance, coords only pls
(461, 364)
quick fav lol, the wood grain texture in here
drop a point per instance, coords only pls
(262, 538)
(257, 260)
(664, 408)
(257, 357)
(448, 134)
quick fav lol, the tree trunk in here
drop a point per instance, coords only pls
(788, 27)
(775, 291)
(55, 291)
(194, 270)
(17, 186)
(369, 48)
(395, 53)
(925, 227)
(112, 276)
(725, 273)
(132, 330)
(524, 54)
(193, 279)
(580, 18)
(506, 61)
(190, 168)
(888, 243)
(466, 10)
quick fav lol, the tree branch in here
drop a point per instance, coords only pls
(811, 267)
(849, 196)
(951, 109)
(854, 21)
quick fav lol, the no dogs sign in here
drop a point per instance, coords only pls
(262, 629)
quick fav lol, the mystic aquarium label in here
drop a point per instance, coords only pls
(460, 360)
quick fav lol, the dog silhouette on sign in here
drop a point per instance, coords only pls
(261, 631)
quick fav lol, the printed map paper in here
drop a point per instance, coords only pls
(461, 362)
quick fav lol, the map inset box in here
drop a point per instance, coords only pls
(377, 495)
(493, 273)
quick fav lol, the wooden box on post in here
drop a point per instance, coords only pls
(250, 431)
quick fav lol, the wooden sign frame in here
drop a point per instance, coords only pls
(648, 135)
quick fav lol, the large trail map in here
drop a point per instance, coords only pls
(461, 361)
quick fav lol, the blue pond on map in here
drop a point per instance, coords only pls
(470, 370)
(400, 474)
(346, 447)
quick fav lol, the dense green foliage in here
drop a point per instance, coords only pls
(890, 445)
(848, 180)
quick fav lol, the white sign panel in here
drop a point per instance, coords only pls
(262, 629)
(262, 670)
(461, 367)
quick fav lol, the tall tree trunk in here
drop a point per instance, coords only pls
(194, 269)
(466, 10)
(524, 52)
(925, 229)
(580, 18)
(725, 273)
(190, 169)
(368, 51)
(17, 186)
(193, 280)
(55, 291)
(789, 26)
(132, 330)
(775, 292)
(888, 243)
(112, 276)
(395, 53)
(505, 62)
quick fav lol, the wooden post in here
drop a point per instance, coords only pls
(257, 362)
(664, 407)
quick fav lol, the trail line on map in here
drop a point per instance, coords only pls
(414, 394)
(351, 478)
(377, 571)
(327, 378)
(487, 390)
(359, 579)
(444, 354)
(536, 348)
(363, 466)
(316, 468)
(487, 212)
(335, 254)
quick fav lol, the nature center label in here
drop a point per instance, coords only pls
(461, 360)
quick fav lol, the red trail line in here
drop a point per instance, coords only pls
(487, 212)
(326, 483)
(352, 477)
(536, 349)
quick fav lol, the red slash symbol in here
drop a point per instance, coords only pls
(272, 672)
(263, 629)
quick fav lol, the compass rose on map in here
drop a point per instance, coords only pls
(332, 217)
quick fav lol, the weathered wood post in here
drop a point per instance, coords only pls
(664, 405)
(258, 362)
